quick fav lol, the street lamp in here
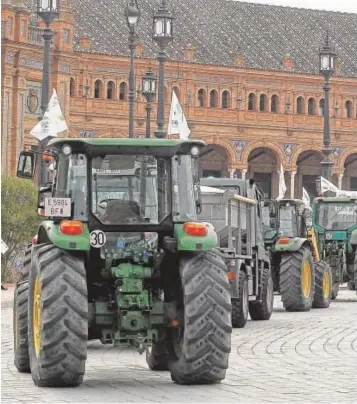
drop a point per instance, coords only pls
(327, 57)
(162, 35)
(148, 91)
(132, 15)
(48, 10)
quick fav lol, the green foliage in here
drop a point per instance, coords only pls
(19, 220)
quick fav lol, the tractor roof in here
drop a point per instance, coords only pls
(335, 199)
(157, 147)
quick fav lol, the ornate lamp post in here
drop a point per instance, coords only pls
(327, 56)
(132, 14)
(48, 10)
(162, 35)
(148, 91)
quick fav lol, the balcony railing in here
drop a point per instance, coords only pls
(35, 36)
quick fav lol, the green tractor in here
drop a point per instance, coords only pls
(121, 257)
(335, 224)
(303, 280)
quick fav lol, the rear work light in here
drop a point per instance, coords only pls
(195, 229)
(71, 227)
(284, 240)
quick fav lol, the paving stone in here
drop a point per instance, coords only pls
(293, 357)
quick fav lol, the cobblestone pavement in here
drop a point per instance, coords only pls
(294, 357)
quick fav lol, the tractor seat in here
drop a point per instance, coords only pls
(117, 212)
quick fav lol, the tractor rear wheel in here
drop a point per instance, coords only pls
(20, 328)
(26, 263)
(157, 356)
(199, 348)
(240, 305)
(323, 285)
(58, 317)
(262, 310)
(297, 280)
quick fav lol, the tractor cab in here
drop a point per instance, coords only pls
(282, 219)
(334, 222)
(115, 186)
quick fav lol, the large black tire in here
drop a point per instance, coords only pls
(262, 310)
(58, 279)
(201, 355)
(335, 290)
(157, 357)
(295, 295)
(20, 328)
(240, 305)
(26, 264)
(323, 285)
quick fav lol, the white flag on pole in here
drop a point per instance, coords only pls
(4, 247)
(306, 198)
(178, 124)
(53, 121)
(282, 185)
(328, 186)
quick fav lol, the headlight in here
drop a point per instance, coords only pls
(195, 151)
(66, 150)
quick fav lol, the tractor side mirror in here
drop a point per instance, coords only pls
(274, 223)
(44, 192)
(26, 165)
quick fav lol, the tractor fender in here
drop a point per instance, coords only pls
(187, 242)
(294, 245)
(49, 232)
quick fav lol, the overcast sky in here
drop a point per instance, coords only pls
(349, 6)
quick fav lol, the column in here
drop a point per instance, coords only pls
(231, 172)
(292, 184)
(244, 173)
(340, 177)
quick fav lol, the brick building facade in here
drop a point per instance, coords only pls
(246, 75)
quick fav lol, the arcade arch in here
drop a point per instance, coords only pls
(215, 162)
(308, 169)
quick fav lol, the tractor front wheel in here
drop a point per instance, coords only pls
(199, 348)
(58, 317)
(157, 356)
(335, 290)
(297, 280)
(262, 309)
(240, 305)
(323, 285)
(20, 328)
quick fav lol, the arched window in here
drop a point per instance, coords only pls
(123, 91)
(300, 105)
(177, 92)
(251, 102)
(201, 98)
(98, 89)
(263, 103)
(322, 107)
(348, 109)
(311, 106)
(72, 87)
(226, 99)
(213, 99)
(110, 90)
(274, 103)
